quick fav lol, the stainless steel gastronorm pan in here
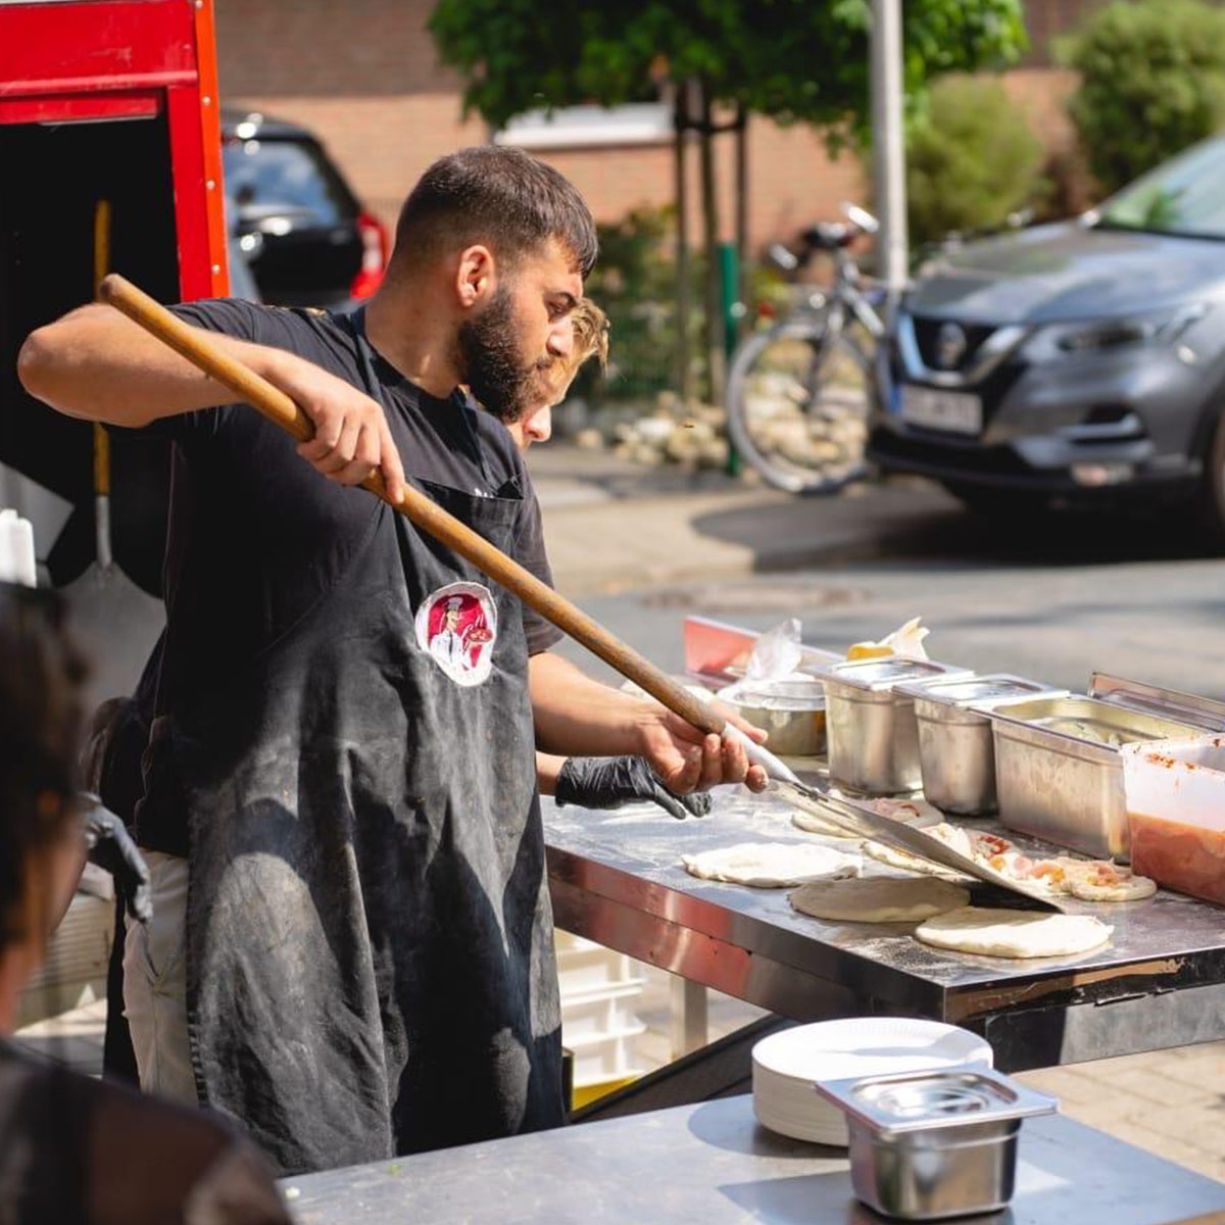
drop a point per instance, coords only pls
(956, 750)
(1059, 771)
(871, 728)
(929, 1145)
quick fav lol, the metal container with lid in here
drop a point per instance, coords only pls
(792, 711)
(871, 728)
(956, 753)
(1059, 767)
(930, 1145)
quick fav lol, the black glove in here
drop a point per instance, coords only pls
(112, 849)
(609, 782)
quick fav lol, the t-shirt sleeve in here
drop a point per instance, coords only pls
(231, 317)
(531, 554)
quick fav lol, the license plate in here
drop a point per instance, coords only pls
(955, 411)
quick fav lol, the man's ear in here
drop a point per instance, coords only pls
(476, 276)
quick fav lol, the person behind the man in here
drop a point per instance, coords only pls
(74, 1149)
(592, 782)
(368, 938)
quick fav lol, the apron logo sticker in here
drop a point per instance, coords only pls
(457, 626)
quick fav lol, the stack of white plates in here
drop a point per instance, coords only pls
(788, 1064)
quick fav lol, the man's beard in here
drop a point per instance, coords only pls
(492, 364)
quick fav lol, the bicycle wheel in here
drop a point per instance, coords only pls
(798, 402)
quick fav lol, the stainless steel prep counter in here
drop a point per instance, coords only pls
(712, 1163)
(617, 878)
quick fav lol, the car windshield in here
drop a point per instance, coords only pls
(1182, 196)
(288, 179)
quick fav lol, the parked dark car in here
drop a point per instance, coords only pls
(1074, 363)
(302, 232)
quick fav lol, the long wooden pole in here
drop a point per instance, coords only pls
(278, 408)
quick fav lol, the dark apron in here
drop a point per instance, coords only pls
(370, 957)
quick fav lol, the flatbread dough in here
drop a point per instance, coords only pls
(908, 812)
(810, 823)
(1014, 933)
(772, 865)
(879, 899)
(896, 858)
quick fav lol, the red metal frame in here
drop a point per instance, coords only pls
(111, 59)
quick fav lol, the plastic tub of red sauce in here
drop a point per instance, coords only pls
(1176, 812)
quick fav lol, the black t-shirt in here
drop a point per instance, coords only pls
(75, 1151)
(249, 549)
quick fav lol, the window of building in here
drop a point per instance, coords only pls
(637, 123)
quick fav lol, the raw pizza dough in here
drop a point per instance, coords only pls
(879, 899)
(772, 865)
(1014, 933)
(908, 812)
(896, 858)
(810, 823)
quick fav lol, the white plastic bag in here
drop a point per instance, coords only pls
(776, 655)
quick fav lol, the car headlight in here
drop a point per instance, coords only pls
(1159, 327)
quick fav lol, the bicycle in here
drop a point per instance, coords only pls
(800, 392)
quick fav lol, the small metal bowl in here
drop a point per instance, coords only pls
(792, 712)
(930, 1145)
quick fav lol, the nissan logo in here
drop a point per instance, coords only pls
(950, 346)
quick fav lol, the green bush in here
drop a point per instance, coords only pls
(635, 282)
(971, 159)
(1152, 83)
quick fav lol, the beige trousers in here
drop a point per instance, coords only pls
(155, 984)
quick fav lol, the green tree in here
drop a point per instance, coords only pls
(1152, 81)
(971, 159)
(792, 60)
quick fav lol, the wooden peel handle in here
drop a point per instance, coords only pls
(281, 410)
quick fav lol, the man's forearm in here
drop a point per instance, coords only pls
(578, 716)
(96, 364)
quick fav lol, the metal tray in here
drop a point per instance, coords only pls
(883, 675)
(858, 818)
(975, 695)
(1206, 713)
(1059, 764)
(895, 1103)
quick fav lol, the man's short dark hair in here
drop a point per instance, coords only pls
(500, 196)
(41, 674)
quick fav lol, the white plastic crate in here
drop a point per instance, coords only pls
(583, 965)
(606, 1010)
(74, 972)
(598, 1022)
(606, 1057)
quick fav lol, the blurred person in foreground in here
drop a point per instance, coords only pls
(75, 1150)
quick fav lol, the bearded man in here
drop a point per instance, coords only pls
(351, 951)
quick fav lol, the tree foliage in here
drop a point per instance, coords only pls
(971, 159)
(790, 59)
(1152, 82)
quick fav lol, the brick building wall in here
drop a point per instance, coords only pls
(364, 76)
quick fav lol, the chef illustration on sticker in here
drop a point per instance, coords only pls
(458, 625)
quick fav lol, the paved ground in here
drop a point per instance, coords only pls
(1050, 599)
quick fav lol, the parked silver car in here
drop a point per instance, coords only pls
(1074, 363)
